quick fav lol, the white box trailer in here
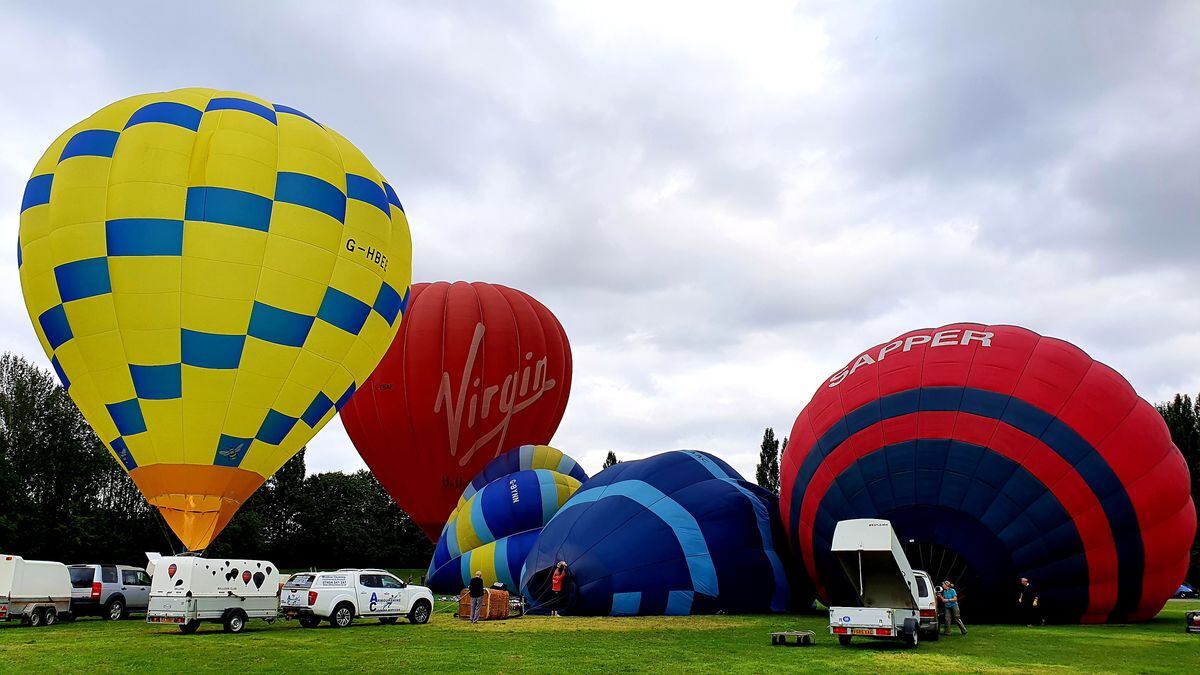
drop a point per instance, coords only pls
(874, 561)
(34, 591)
(187, 590)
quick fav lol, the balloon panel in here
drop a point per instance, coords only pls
(997, 453)
(211, 275)
(677, 533)
(475, 369)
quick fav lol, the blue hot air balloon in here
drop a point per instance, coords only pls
(676, 533)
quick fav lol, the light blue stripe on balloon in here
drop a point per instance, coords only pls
(683, 524)
(501, 563)
(450, 534)
(706, 462)
(566, 465)
(464, 568)
(549, 494)
(679, 603)
(478, 522)
(526, 457)
(626, 604)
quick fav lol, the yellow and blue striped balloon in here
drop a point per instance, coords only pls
(211, 275)
(496, 527)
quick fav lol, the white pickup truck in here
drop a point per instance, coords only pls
(873, 559)
(345, 594)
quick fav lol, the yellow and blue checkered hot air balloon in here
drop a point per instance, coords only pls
(211, 276)
(500, 515)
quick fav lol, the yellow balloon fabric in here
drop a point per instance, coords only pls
(211, 276)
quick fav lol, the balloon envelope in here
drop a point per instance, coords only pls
(211, 275)
(997, 454)
(475, 370)
(495, 528)
(676, 533)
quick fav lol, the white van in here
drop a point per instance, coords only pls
(341, 596)
(186, 590)
(889, 600)
(34, 591)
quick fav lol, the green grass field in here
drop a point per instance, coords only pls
(576, 644)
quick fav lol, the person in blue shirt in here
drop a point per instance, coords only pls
(950, 596)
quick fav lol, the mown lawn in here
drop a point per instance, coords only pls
(574, 644)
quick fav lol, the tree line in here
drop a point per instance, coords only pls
(63, 497)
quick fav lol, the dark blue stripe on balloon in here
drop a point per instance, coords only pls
(122, 451)
(344, 311)
(302, 189)
(345, 397)
(144, 236)
(127, 415)
(91, 142)
(1064, 441)
(228, 207)
(62, 374)
(366, 190)
(167, 112)
(211, 350)
(243, 105)
(157, 382)
(55, 326)
(37, 191)
(231, 450)
(275, 427)
(387, 303)
(279, 326)
(392, 197)
(292, 111)
(317, 409)
(82, 279)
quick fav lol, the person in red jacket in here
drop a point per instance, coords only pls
(557, 580)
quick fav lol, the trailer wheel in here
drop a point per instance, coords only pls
(844, 640)
(911, 639)
(235, 621)
(343, 615)
(189, 627)
(50, 617)
(419, 613)
(309, 621)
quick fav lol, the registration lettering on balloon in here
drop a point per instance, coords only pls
(370, 252)
(516, 393)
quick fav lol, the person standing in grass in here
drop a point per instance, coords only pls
(557, 580)
(475, 588)
(952, 613)
(1027, 601)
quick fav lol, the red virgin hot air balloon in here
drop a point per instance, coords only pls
(476, 369)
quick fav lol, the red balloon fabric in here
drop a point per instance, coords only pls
(998, 454)
(475, 369)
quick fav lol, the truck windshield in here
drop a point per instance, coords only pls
(81, 577)
(300, 581)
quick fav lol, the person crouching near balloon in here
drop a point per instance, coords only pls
(558, 580)
(950, 596)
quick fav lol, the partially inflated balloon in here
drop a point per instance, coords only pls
(211, 276)
(475, 370)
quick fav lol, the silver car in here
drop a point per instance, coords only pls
(108, 591)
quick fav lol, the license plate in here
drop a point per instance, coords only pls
(862, 631)
(292, 601)
(166, 619)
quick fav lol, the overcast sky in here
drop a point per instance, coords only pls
(723, 203)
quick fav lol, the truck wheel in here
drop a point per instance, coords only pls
(844, 640)
(343, 615)
(50, 617)
(419, 613)
(309, 621)
(115, 610)
(387, 620)
(235, 621)
(189, 627)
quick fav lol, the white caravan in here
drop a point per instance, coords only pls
(348, 593)
(186, 590)
(873, 559)
(34, 591)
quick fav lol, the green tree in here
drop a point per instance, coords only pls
(609, 460)
(1182, 416)
(766, 474)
